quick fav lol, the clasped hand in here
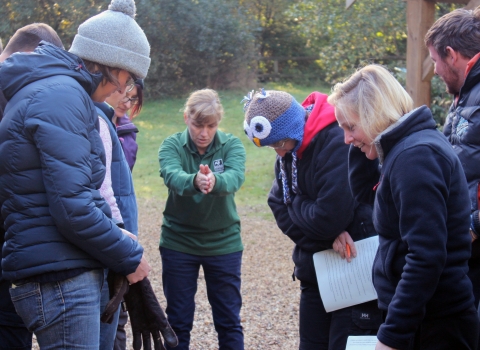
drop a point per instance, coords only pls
(205, 179)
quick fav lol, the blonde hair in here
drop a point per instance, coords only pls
(203, 105)
(374, 96)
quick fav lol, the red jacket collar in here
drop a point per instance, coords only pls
(322, 115)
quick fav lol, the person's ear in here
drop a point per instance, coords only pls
(185, 117)
(452, 55)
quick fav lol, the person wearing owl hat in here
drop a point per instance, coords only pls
(312, 204)
(59, 233)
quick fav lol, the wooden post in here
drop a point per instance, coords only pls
(420, 17)
(428, 68)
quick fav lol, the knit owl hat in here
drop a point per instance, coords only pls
(272, 116)
(114, 39)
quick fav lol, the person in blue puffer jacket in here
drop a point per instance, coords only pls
(59, 235)
(421, 213)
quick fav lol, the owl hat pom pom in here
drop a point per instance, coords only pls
(272, 116)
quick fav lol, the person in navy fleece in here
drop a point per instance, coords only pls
(402, 164)
(312, 204)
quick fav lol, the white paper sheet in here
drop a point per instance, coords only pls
(344, 284)
(361, 342)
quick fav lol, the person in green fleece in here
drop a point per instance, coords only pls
(202, 167)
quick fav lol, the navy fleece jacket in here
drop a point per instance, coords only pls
(421, 214)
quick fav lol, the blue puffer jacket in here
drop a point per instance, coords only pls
(52, 167)
(421, 214)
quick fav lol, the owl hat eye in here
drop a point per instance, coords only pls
(258, 129)
(271, 116)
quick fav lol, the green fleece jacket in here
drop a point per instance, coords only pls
(193, 222)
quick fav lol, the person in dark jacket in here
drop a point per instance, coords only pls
(13, 333)
(420, 212)
(59, 236)
(312, 204)
(454, 45)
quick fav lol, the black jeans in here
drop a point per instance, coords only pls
(320, 330)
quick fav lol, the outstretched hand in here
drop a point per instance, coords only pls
(340, 246)
(205, 179)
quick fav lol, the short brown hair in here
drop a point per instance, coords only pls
(203, 105)
(27, 38)
(459, 29)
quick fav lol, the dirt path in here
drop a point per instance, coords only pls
(270, 297)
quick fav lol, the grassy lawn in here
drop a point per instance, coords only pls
(160, 119)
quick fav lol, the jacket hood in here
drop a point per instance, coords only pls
(125, 126)
(418, 119)
(21, 69)
(321, 115)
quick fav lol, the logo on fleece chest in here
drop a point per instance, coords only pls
(218, 166)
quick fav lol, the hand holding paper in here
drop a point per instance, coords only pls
(345, 246)
(343, 284)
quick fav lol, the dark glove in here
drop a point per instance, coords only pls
(147, 317)
(118, 286)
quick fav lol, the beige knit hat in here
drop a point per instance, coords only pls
(114, 39)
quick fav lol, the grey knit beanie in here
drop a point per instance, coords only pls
(114, 39)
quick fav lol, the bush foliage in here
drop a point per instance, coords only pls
(224, 43)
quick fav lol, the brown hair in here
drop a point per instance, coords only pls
(27, 38)
(459, 29)
(106, 71)
(203, 105)
(135, 111)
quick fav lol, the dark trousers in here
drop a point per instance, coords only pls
(320, 330)
(13, 334)
(15, 338)
(458, 331)
(121, 336)
(222, 278)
